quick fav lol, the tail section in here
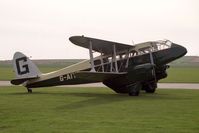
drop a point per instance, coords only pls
(24, 69)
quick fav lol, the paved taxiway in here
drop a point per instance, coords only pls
(160, 85)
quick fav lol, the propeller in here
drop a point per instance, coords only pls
(152, 62)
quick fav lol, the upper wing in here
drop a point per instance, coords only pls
(99, 45)
(98, 76)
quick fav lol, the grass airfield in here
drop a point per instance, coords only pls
(58, 110)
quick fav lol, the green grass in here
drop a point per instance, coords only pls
(6, 73)
(97, 110)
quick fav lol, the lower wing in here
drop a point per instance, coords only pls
(98, 76)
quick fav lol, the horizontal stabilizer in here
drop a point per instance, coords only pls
(98, 76)
(20, 81)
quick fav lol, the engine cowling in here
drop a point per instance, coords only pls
(141, 72)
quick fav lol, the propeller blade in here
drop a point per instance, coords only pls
(152, 62)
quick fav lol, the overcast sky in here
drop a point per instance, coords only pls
(41, 28)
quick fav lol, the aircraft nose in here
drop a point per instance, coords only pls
(179, 50)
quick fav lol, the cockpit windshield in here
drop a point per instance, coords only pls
(163, 44)
(150, 47)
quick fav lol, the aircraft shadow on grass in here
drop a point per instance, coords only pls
(94, 99)
(103, 99)
(97, 99)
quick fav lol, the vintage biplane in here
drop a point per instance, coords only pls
(123, 68)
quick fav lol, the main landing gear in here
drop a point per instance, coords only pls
(135, 89)
(150, 88)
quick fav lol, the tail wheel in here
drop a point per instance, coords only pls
(29, 90)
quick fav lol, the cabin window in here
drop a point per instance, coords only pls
(145, 50)
(150, 47)
(97, 62)
(110, 59)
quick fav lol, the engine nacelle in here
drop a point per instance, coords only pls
(141, 72)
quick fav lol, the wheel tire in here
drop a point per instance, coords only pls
(135, 90)
(151, 88)
(136, 93)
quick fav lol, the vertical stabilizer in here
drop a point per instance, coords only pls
(24, 68)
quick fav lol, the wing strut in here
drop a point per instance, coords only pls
(102, 62)
(91, 56)
(111, 67)
(114, 58)
(152, 62)
(127, 59)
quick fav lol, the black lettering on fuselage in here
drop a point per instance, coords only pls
(21, 67)
(69, 76)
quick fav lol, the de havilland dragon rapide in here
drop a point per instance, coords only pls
(123, 68)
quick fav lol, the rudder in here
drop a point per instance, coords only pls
(24, 68)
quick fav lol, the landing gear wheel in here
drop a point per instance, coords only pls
(151, 88)
(135, 90)
(29, 90)
(134, 93)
